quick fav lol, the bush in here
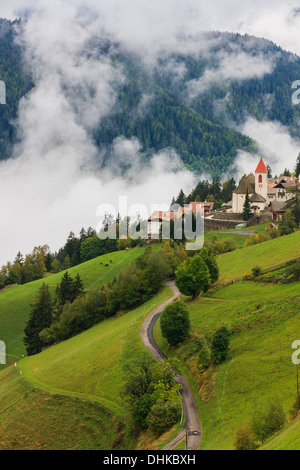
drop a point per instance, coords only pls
(220, 345)
(267, 421)
(296, 407)
(204, 357)
(257, 271)
(244, 439)
(163, 415)
(175, 323)
(141, 410)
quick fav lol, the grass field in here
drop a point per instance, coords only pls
(287, 439)
(265, 321)
(266, 255)
(15, 301)
(76, 383)
(82, 375)
(35, 420)
(239, 240)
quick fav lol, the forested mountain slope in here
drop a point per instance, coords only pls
(192, 101)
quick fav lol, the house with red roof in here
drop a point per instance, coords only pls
(156, 219)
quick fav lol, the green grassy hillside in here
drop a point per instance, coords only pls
(266, 255)
(287, 439)
(15, 301)
(79, 375)
(265, 321)
(31, 419)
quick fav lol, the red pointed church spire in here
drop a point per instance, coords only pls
(261, 167)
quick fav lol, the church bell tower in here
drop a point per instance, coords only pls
(261, 179)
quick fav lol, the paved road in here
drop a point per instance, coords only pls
(193, 425)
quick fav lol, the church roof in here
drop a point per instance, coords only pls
(247, 183)
(257, 198)
(261, 167)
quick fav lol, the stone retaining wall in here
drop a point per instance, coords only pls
(214, 224)
(228, 216)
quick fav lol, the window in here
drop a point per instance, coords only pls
(260, 179)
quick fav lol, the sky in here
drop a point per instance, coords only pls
(53, 183)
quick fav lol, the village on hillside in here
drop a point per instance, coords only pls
(267, 198)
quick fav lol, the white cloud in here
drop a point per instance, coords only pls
(53, 185)
(277, 147)
(234, 66)
(140, 23)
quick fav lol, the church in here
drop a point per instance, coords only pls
(262, 191)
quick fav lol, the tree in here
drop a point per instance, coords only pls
(244, 439)
(228, 188)
(293, 204)
(163, 415)
(220, 345)
(141, 410)
(287, 224)
(139, 377)
(55, 266)
(269, 171)
(181, 199)
(175, 323)
(40, 318)
(211, 263)
(78, 287)
(247, 208)
(267, 421)
(297, 167)
(66, 263)
(192, 276)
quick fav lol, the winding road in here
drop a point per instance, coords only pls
(192, 428)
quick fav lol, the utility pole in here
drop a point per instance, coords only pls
(298, 382)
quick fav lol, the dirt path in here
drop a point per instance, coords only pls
(193, 425)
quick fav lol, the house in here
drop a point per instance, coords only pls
(156, 220)
(278, 209)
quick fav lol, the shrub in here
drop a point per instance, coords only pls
(163, 415)
(296, 407)
(204, 357)
(220, 345)
(267, 421)
(257, 271)
(244, 439)
(175, 323)
(141, 410)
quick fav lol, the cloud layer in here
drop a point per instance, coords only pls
(53, 184)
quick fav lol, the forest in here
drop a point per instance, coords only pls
(155, 105)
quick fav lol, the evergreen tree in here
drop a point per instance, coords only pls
(181, 199)
(78, 287)
(269, 171)
(293, 204)
(247, 208)
(297, 167)
(40, 318)
(66, 289)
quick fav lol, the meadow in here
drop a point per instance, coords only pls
(15, 301)
(264, 321)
